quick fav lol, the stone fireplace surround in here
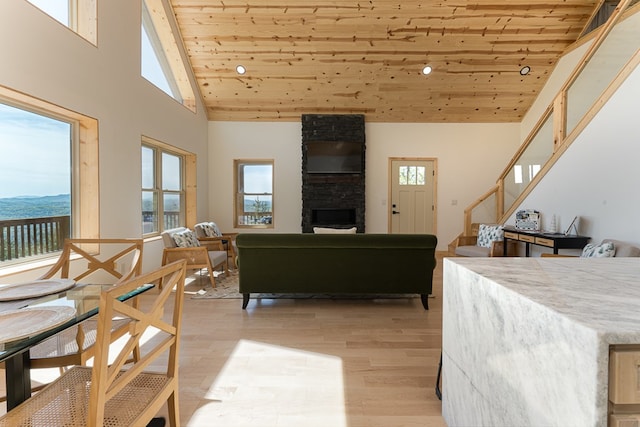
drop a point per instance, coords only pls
(335, 200)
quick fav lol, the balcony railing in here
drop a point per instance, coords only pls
(21, 238)
(150, 222)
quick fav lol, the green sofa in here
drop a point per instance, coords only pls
(336, 264)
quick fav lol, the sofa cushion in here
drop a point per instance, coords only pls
(324, 230)
(473, 251)
(186, 239)
(488, 234)
(624, 249)
(603, 250)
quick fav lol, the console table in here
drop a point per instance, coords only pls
(550, 240)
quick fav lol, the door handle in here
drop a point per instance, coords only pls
(395, 212)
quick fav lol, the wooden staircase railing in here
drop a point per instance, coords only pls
(556, 116)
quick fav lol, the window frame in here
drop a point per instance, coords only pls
(238, 183)
(187, 179)
(158, 21)
(85, 185)
(83, 18)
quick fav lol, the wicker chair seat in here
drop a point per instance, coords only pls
(65, 401)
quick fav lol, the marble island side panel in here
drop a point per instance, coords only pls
(526, 340)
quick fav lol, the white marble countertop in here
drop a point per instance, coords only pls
(601, 294)
(526, 340)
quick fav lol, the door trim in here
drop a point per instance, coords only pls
(435, 187)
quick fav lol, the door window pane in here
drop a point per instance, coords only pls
(412, 175)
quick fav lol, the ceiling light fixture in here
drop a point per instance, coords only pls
(427, 70)
(525, 70)
(240, 69)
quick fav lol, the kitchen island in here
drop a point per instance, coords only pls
(526, 341)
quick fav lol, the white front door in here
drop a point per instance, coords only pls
(412, 208)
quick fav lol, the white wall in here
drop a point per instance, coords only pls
(598, 177)
(42, 58)
(469, 157)
(280, 142)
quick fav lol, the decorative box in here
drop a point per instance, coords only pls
(528, 219)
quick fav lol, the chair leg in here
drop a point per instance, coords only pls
(212, 279)
(172, 406)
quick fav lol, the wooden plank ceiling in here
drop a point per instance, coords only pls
(366, 57)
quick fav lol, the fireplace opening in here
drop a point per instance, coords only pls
(328, 216)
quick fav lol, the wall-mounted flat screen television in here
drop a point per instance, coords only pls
(334, 157)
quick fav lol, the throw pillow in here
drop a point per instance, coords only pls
(324, 230)
(604, 250)
(488, 234)
(208, 229)
(186, 239)
(215, 230)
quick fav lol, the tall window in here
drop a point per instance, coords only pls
(49, 175)
(163, 195)
(161, 61)
(78, 15)
(253, 193)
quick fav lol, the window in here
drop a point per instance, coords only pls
(165, 201)
(161, 61)
(412, 175)
(253, 193)
(78, 15)
(51, 192)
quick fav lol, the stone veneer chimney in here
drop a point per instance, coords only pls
(333, 199)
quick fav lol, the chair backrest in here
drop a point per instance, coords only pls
(104, 260)
(108, 378)
(167, 237)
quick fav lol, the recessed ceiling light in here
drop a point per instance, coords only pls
(240, 69)
(427, 70)
(525, 70)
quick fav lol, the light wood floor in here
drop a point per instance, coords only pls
(287, 363)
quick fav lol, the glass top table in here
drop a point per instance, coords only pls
(84, 298)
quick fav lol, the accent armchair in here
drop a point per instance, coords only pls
(209, 232)
(488, 242)
(181, 243)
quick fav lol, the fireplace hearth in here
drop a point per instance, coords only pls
(333, 217)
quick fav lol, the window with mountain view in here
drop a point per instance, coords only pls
(254, 193)
(35, 171)
(163, 195)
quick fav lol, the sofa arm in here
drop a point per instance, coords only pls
(497, 248)
(212, 243)
(467, 241)
(193, 256)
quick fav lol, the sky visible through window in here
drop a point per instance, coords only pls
(57, 9)
(257, 179)
(36, 154)
(151, 69)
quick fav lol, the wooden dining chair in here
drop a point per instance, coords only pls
(98, 261)
(114, 391)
